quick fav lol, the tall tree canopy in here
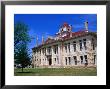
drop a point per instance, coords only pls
(21, 40)
(21, 33)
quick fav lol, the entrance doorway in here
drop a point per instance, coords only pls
(50, 61)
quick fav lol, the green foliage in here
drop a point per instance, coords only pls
(22, 56)
(21, 40)
(21, 33)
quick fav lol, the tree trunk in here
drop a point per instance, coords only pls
(22, 69)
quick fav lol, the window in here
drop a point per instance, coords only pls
(43, 51)
(66, 48)
(93, 45)
(56, 49)
(74, 45)
(35, 58)
(69, 47)
(84, 41)
(40, 61)
(40, 51)
(94, 59)
(66, 60)
(49, 50)
(80, 43)
(75, 60)
(58, 60)
(69, 60)
(55, 60)
(85, 56)
(81, 57)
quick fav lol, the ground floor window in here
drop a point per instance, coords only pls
(75, 60)
(69, 60)
(66, 60)
(86, 61)
(55, 60)
(94, 59)
(40, 61)
(81, 57)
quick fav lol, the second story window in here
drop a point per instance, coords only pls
(40, 51)
(84, 42)
(56, 49)
(66, 48)
(35, 58)
(93, 44)
(74, 46)
(43, 51)
(80, 44)
(49, 50)
(69, 47)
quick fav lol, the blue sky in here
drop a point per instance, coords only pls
(49, 24)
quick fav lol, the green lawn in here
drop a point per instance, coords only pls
(56, 72)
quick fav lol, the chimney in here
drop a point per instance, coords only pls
(42, 40)
(86, 25)
(70, 34)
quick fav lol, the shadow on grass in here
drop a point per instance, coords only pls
(24, 72)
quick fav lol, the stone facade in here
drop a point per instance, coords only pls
(67, 49)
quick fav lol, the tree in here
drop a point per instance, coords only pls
(23, 57)
(21, 40)
(21, 33)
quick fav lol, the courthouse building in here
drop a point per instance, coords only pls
(67, 49)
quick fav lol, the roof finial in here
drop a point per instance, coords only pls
(86, 25)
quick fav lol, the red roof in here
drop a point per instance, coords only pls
(74, 35)
(66, 25)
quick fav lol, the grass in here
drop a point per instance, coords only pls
(56, 72)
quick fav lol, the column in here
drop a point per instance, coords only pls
(59, 56)
(41, 58)
(52, 58)
(72, 61)
(78, 60)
